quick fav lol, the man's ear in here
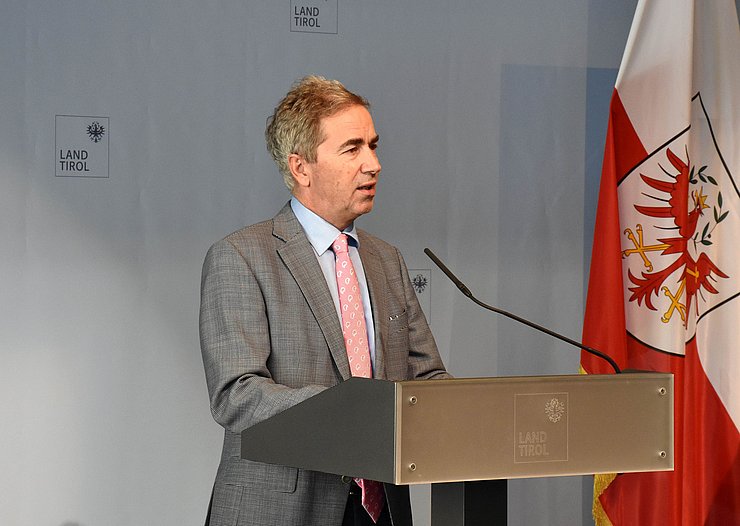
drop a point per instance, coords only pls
(299, 169)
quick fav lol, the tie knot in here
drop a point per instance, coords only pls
(340, 244)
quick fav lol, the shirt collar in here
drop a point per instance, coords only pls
(320, 233)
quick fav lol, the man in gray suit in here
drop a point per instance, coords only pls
(271, 323)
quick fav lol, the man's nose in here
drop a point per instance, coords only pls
(371, 163)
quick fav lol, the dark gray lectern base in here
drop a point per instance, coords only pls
(478, 503)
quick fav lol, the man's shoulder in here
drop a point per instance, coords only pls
(281, 225)
(374, 243)
(251, 233)
(242, 244)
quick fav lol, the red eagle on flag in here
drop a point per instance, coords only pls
(696, 273)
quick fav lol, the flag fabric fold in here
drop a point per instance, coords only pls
(664, 286)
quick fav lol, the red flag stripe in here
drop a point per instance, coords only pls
(604, 325)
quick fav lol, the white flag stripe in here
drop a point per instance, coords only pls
(655, 74)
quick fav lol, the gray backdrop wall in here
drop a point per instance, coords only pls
(491, 115)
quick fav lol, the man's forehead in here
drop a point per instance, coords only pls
(352, 117)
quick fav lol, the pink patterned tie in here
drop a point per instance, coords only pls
(354, 331)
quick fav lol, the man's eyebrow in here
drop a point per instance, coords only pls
(357, 141)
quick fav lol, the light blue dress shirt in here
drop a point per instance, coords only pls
(321, 234)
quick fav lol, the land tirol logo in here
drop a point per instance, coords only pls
(421, 281)
(554, 409)
(314, 16)
(95, 131)
(675, 258)
(81, 146)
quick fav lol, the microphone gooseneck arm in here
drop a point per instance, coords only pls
(466, 291)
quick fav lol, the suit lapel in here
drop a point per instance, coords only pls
(378, 288)
(300, 259)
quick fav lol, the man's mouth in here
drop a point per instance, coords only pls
(366, 187)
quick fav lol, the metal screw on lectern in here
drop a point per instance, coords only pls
(662, 391)
(412, 467)
(412, 400)
(663, 454)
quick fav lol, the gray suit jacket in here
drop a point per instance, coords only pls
(271, 338)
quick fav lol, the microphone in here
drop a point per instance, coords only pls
(460, 285)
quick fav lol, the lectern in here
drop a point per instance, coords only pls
(468, 436)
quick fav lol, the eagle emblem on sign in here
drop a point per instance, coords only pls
(684, 196)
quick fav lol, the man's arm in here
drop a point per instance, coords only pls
(236, 344)
(424, 359)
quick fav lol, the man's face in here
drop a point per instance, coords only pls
(340, 185)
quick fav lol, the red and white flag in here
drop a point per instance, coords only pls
(664, 288)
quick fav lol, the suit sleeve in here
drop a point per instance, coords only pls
(424, 359)
(235, 344)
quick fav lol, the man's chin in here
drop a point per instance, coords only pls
(365, 207)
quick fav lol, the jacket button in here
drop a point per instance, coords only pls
(346, 479)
